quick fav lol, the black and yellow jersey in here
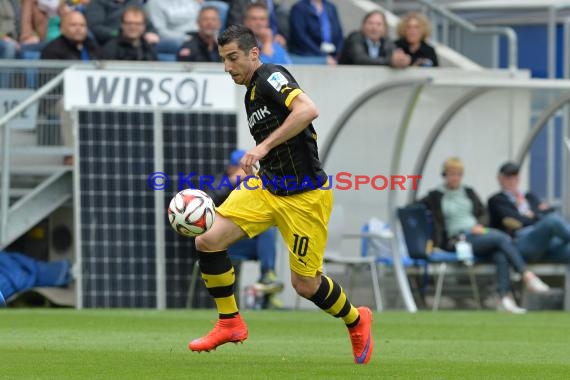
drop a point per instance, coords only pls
(294, 166)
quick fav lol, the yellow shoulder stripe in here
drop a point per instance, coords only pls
(292, 95)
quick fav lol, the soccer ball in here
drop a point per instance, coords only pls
(191, 212)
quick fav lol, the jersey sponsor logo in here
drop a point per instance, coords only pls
(277, 81)
(258, 115)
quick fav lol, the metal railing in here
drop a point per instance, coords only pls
(19, 77)
(6, 147)
(449, 16)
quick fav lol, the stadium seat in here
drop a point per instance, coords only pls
(376, 241)
(417, 230)
(333, 254)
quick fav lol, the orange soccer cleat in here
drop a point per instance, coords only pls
(361, 337)
(226, 330)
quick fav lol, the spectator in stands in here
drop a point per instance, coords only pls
(458, 212)
(413, 30)
(104, 19)
(73, 43)
(202, 46)
(173, 20)
(39, 24)
(19, 273)
(257, 19)
(78, 5)
(130, 45)
(262, 247)
(315, 30)
(371, 45)
(540, 233)
(9, 45)
(278, 16)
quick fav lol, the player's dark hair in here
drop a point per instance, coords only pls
(238, 33)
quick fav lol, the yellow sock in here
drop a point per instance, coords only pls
(332, 299)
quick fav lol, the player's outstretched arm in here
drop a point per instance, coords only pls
(303, 112)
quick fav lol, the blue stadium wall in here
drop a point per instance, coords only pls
(533, 55)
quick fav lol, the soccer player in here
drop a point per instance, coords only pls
(289, 191)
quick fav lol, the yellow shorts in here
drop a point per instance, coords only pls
(302, 220)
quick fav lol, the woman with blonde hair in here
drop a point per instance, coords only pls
(459, 214)
(414, 28)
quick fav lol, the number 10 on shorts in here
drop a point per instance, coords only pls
(300, 245)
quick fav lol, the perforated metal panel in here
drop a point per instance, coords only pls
(117, 207)
(199, 143)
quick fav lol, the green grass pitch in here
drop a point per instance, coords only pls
(145, 344)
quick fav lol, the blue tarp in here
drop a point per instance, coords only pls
(19, 272)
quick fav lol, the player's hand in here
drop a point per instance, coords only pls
(249, 160)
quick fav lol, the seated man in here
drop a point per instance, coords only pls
(278, 16)
(540, 234)
(261, 247)
(371, 45)
(202, 46)
(131, 44)
(257, 19)
(105, 18)
(19, 273)
(458, 213)
(73, 43)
